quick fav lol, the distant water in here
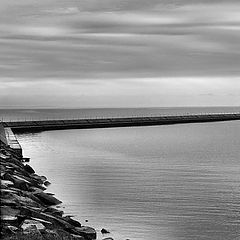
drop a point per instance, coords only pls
(178, 182)
(43, 114)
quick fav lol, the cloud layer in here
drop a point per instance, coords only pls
(86, 40)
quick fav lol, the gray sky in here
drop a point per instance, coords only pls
(112, 53)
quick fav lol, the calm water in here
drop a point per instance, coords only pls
(179, 182)
(41, 114)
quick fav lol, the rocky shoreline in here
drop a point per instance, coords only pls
(27, 211)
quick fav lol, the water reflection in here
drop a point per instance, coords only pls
(169, 182)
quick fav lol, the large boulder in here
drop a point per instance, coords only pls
(56, 221)
(46, 183)
(8, 212)
(6, 183)
(53, 211)
(41, 179)
(47, 199)
(31, 181)
(72, 221)
(87, 232)
(28, 224)
(29, 169)
(18, 183)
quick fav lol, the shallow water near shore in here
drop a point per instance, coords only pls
(178, 182)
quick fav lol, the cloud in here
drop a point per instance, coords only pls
(145, 92)
(41, 31)
(64, 11)
(94, 44)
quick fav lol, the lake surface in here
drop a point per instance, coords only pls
(178, 182)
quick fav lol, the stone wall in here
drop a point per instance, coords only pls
(3, 138)
(12, 141)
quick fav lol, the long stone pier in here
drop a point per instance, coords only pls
(29, 126)
(8, 138)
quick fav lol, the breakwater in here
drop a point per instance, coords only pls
(22, 126)
(3, 138)
(8, 138)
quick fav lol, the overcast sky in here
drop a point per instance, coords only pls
(119, 53)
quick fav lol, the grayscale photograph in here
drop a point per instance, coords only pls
(120, 119)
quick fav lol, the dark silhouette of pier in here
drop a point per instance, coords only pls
(42, 125)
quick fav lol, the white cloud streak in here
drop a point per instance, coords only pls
(193, 45)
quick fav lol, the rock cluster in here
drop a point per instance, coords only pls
(27, 211)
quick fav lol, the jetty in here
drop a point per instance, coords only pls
(43, 125)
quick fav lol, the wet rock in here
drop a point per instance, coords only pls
(46, 183)
(31, 233)
(9, 213)
(14, 161)
(6, 183)
(72, 221)
(40, 179)
(26, 213)
(29, 169)
(7, 176)
(2, 174)
(28, 224)
(10, 168)
(9, 202)
(56, 221)
(2, 168)
(59, 235)
(50, 194)
(25, 200)
(25, 159)
(87, 232)
(46, 223)
(77, 237)
(20, 184)
(33, 198)
(22, 178)
(3, 156)
(3, 187)
(37, 189)
(50, 235)
(9, 218)
(7, 231)
(104, 231)
(68, 236)
(53, 211)
(7, 191)
(13, 199)
(47, 199)
(43, 178)
(12, 228)
(32, 182)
